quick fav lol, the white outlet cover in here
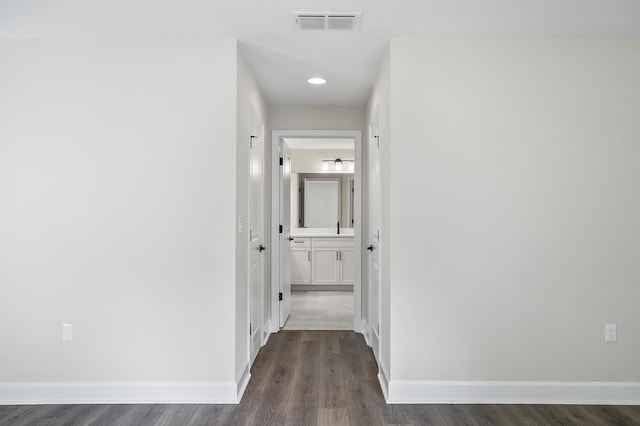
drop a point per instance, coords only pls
(610, 333)
(67, 332)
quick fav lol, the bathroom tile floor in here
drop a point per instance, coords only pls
(320, 310)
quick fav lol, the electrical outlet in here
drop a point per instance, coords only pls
(67, 332)
(610, 333)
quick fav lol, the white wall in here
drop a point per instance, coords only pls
(249, 98)
(310, 160)
(317, 117)
(514, 206)
(114, 211)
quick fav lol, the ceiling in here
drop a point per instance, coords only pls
(283, 57)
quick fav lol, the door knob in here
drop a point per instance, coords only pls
(370, 248)
(261, 248)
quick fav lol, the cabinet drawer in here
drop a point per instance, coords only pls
(346, 242)
(301, 242)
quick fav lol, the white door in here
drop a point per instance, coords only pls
(373, 235)
(285, 235)
(256, 235)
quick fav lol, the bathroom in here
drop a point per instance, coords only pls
(321, 225)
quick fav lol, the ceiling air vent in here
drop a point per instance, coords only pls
(312, 22)
(341, 22)
(328, 21)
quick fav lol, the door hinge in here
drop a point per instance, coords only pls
(250, 328)
(377, 140)
(251, 141)
(281, 161)
(280, 297)
(280, 228)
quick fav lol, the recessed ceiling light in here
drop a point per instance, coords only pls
(316, 80)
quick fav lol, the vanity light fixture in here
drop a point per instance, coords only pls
(316, 81)
(338, 165)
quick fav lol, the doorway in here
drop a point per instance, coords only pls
(334, 260)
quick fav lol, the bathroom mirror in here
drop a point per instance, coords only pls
(321, 202)
(324, 200)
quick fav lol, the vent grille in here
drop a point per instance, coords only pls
(341, 22)
(328, 21)
(307, 22)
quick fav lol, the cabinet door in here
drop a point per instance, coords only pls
(347, 265)
(324, 266)
(300, 267)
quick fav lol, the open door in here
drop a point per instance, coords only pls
(285, 234)
(373, 236)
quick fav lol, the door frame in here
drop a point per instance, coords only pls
(276, 137)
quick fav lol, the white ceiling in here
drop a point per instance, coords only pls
(282, 57)
(319, 143)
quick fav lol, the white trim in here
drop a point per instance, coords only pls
(505, 392)
(243, 381)
(383, 378)
(266, 332)
(275, 233)
(276, 136)
(28, 393)
(365, 331)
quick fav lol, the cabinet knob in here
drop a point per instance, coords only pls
(261, 248)
(370, 248)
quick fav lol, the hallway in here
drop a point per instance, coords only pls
(316, 378)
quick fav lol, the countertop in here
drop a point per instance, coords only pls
(321, 232)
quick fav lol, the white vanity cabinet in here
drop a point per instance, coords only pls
(322, 260)
(325, 267)
(301, 261)
(347, 265)
(332, 260)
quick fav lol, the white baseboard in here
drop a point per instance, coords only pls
(452, 392)
(267, 333)
(243, 381)
(25, 393)
(383, 378)
(365, 332)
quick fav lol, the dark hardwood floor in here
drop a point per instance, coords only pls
(317, 378)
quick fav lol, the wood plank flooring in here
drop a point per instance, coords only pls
(317, 378)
